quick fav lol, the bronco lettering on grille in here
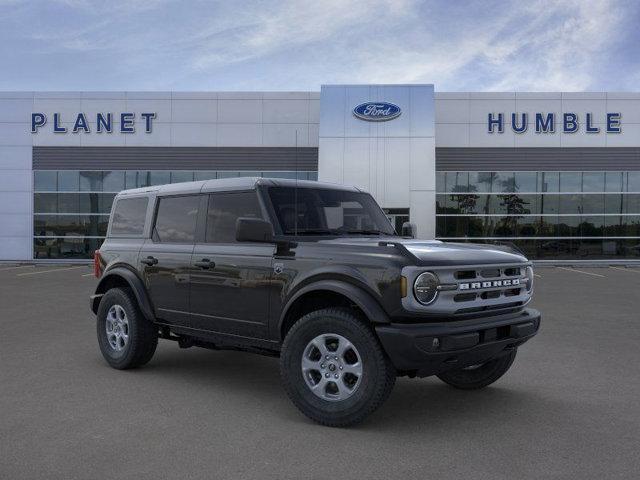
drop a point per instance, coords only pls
(491, 284)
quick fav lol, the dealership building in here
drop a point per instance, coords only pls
(557, 174)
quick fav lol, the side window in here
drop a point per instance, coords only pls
(128, 216)
(176, 219)
(224, 210)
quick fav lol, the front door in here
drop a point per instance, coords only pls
(165, 260)
(231, 281)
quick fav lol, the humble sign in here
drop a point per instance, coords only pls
(104, 122)
(550, 122)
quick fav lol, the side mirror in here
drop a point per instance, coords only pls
(253, 230)
(408, 230)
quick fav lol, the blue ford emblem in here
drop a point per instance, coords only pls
(377, 111)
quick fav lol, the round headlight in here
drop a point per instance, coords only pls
(529, 275)
(425, 288)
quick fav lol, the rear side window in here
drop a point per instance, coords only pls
(128, 216)
(224, 209)
(176, 219)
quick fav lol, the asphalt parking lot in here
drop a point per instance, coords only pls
(569, 408)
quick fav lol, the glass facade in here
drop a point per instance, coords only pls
(71, 208)
(548, 215)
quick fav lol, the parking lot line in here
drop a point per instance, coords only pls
(88, 274)
(581, 271)
(14, 268)
(632, 270)
(49, 271)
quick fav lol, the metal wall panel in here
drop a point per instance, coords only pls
(537, 159)
(175, 158)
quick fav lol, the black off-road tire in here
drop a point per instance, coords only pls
(479, 377)
(143, 335)
(377, 379)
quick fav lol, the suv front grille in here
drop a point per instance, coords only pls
(467, 290)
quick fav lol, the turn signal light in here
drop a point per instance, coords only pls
(97, 264)
(403, 287)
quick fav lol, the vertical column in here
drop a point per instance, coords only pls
(16, 185)
(394, 160)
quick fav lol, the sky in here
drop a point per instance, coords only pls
(283, 45)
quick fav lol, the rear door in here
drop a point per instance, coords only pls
(165, 259)
(230, 280)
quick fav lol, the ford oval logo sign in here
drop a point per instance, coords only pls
(377, 111)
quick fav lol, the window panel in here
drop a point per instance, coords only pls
(504, 182)
(45, 181)
(570, 181)
(68, 181)
(441, 227)
(159, 177)
(114, 181)
(613, 203)
(593, 182)
(45, 203)
(129, 216)
(631, 203)
(593, 203)
(548, 226)
(90, 181)
(527, 226)
(571, 203)
(526, 182)
(176, 219)
(613, 182)
(549, 182)
(457, 182)
(550, 204)
(46, 248)
(633, 182)
(480, 181)
(475, 226)
(440, 182)
(69, 202)
(614, 226)
(181, 176)
(223, 211)
(441, 203)
(631, 226)
(569, 226)
(592, 226)
(588, 249)
(205, 175)
(131, 179)
(471, 204)
(628, 248)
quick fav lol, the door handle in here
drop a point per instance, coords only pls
(205, 264)
(149, 260)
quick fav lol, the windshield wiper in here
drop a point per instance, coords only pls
(367, 232)
(312, 231)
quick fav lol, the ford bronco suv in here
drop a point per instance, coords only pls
(313, 273)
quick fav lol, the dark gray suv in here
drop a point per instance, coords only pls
(315, 274)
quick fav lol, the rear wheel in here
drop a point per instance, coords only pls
(126, 338)
(479, 376)
(334, 369)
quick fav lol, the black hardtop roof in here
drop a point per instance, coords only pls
(230, 184)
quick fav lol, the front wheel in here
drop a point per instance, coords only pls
(334, 369)
(479, 376)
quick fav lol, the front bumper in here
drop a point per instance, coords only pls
(431, 348)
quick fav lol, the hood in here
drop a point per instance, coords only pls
(437, 253)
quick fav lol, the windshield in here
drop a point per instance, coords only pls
(319, 211)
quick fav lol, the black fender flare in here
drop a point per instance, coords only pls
(369, 306)
(134, 282)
